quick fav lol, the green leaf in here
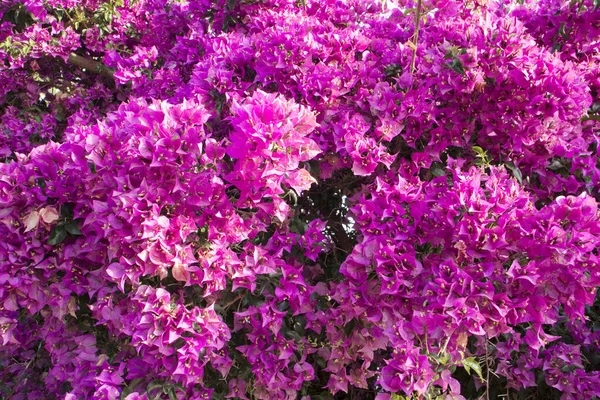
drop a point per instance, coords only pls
(66, 211)
(556, 165)
(556, 47)
(299, 328)
(155, 384)
(437, 171)
(480, 152)
(6, 44)
(57, 235)
(73, 228)
(284, 306)
(172, 395)
(457, 66)
(298, 226)
(130, 387)
(516, 172)
(321, 362)
(393, 70)
(293, 335)
(562, 32)
(471, 363)
(349, 327)
(25, 49)
(219, 100)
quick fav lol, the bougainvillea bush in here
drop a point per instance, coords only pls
(278, 199)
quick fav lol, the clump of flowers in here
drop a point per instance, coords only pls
(299, 199)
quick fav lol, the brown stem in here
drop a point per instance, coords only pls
(416, 37)
(487, 369)
(91, 65)
(238, 297)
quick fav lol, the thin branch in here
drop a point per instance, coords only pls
(487, 371)
(238, 297)
(340, 236)
(415, 37)
(91, 65)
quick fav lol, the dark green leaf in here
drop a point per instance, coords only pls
(283, 306)
(73, 228)
(349, 327)
(218, 98)
(172, 395)
(197, 327)
(437, 171)
(66, 211)
(293, 335)
(562, 32)
(57, 235)
(457, 66)
(321, 362)
(299, 327)
(178, 343)
(556, 47)
(555, 165)
(393, 70)
(515, 171)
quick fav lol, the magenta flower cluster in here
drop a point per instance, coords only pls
(284, 199)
